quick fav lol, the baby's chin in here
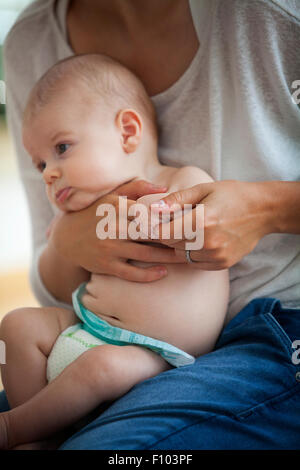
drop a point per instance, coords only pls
(77, 202)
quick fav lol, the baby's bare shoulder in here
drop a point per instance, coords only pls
(182, 178)
(188, 176)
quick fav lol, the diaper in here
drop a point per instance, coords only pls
(93, 331)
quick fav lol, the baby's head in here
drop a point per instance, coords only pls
(89, 127)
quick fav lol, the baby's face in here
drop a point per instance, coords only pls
(76, 146)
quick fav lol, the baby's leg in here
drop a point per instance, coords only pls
(101, 374)
(29, 335)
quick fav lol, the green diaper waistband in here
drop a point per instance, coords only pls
(120, 337)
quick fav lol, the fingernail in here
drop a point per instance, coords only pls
(160, 203)
(158, 186)
(163, 271)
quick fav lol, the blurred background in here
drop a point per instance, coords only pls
(15, 238)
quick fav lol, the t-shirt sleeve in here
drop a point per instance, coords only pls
(290, 7)
(40, 210)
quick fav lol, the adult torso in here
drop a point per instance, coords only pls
(158, 53)
(230, 112)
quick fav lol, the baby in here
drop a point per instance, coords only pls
(89, 127)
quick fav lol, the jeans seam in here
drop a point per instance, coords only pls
(269, 305)
(277, 328)
(266, 307)
(295, 389)
(269, 401)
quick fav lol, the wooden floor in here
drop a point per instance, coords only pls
(15, 292)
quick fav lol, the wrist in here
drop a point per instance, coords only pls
(279, 206)
(262, 207)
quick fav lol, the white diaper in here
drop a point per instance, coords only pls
(69, 346)
(75, 340)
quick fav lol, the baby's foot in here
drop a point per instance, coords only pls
(4, 426)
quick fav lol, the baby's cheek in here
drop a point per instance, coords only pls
(79, 176)
(87, 179)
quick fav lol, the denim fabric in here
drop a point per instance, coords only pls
(4, 406)
(243, 395)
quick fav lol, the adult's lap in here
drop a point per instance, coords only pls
(243, 395)
(4, 406)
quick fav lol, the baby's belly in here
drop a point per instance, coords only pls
(186, 308)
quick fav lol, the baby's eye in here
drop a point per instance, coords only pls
(61, 148)
(41, 166)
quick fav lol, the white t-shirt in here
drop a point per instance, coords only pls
(231, 113)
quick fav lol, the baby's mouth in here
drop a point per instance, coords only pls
(62, 194)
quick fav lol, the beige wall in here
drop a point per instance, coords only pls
(14, 220)
(15, 247)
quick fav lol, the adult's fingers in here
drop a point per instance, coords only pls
(133, 273)
(197, 256)
(138, 188)
(185, 231)
(192, 195)
(207, 260)
(149, 254)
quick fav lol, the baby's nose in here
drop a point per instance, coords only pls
(51, 174)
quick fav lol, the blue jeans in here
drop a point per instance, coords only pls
(243, 395)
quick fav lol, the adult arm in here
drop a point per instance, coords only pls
(286, 206)
(236, 216)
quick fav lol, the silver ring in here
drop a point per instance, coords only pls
(188, 257)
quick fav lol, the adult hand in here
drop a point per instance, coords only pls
(236, 216)
(74, 237)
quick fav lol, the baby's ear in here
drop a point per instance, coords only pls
(129, 123)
